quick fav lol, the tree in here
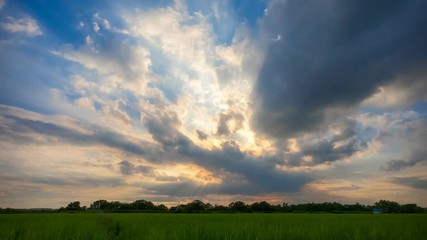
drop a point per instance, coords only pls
(178, 209)
(410, 208)
(219, 208)
(143, 205)
(238, 206)
(261, 207)
(196, 206)
(115, 205)
(285, 207)
(208, 206)
(73, 206)
(388, 206)
(162, 208)
(99, 205)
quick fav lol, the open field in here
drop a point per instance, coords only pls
(212, 226)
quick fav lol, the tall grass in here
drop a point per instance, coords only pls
(212, 226)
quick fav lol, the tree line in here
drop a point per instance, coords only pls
(198, 206)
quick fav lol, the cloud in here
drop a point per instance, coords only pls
(413, 136)
(322, 151)
(397, 137)
(400, 93)
(104, 21)
(156, 100)
(153, 65)
(14, 171)
(229, 122)
(414, 182)
(22, 127)
(193, 188)
(415, 155)
(2, 4)
(340, 141)
(201, 135)
(69, 180)
(116, 113)
(256, 173)
(122, 61)
(277, 38)
(96, 28)
(27, 26)
(227, 162)
(189, 37)
(85, 103)
(333, 56)
(128, 168)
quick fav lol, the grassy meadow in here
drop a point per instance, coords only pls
(212, 226)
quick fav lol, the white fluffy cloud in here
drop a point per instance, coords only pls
(27, 26)
(170, 56)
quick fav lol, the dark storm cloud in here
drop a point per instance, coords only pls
(259, 175)
(192, 188)
(320, 149)
(414, 182)
(333, 55)
(162, 126)
(250, 175)
(324, 151)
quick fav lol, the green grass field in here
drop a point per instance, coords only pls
(212, 226)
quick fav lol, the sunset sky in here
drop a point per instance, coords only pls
(223, 100)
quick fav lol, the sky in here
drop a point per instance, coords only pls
(221, 100)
